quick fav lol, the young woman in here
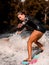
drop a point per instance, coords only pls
(37, 31)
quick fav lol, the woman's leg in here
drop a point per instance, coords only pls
(39, 45)
(33, 38)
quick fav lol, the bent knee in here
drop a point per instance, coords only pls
(35, 41)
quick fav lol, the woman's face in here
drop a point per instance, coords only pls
(21, 17)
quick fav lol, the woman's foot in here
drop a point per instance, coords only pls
(42, 48)
(28, 60)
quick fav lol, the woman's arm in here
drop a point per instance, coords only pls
(21, 27)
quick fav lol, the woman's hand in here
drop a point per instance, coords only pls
(19, 25)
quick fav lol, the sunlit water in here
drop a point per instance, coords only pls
(13, 51)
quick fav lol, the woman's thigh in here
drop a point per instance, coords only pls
(35, 36)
